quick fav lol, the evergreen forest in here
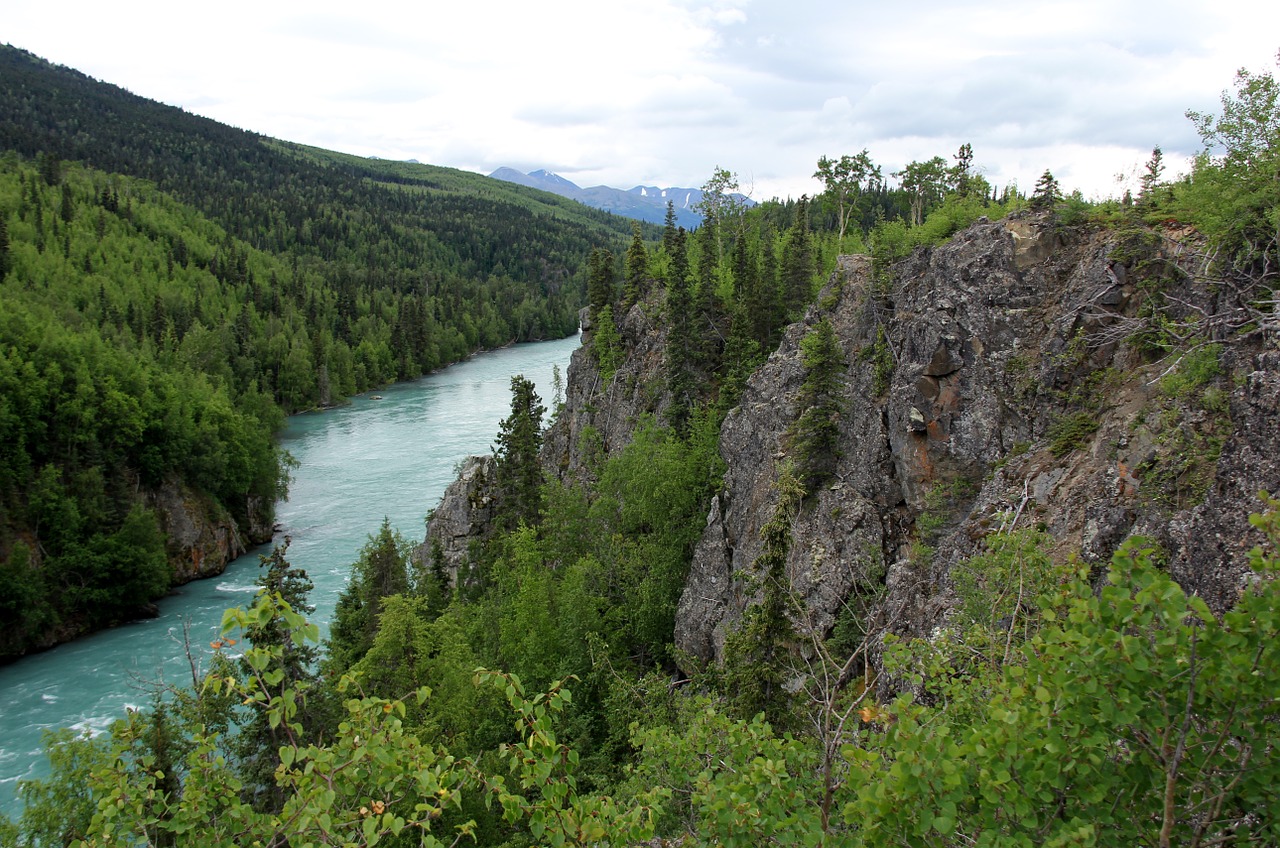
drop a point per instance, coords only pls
(536, 697)
(172, 287)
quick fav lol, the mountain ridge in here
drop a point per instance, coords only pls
(641, 202)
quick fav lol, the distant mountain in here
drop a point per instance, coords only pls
(644, 203)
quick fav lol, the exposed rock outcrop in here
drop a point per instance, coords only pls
(965, 376)
(597, 420)
(599, 417)
(464, 515)
(201, 535)
(1000, 380)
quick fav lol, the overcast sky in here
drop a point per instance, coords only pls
(661, 92)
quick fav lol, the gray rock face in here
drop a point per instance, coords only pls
(599, 416)
(1209, 545)
(990, 383)
(464, 514)
(838, 536)
(994, 338)
(201, 536)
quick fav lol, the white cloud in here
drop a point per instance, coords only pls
(663, 91)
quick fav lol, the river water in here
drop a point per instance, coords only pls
(389, 457)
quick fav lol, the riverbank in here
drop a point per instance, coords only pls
(357, 464)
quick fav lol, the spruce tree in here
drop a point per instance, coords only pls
(6, 262)
(1151, 178)
(633, 287)
(381, 571)
(669, 229)
(679, 353)
(815, 435)
(519, 474)
(798, 262)
(1046, 192)
(756, 655)
(705, 336)
(67, 209)
(260, 739)
(599, 280)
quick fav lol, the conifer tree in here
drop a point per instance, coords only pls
(633, 287)
(815, 435)
(599, 280)
(1046, 192)
(704, 330)
(519, 474)
(798, 262)
(741, 356)
(1151, 177)
(679, 353)
(669, 229)
(381, 571)
(773, 313)
(67, 209)
(260, 740)
(6, 262)
(962, 171)
(756, 667)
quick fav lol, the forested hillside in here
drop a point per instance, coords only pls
(171, 286)
(943, 544)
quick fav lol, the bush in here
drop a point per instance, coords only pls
(1071, 432)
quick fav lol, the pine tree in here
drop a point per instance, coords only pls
(679, 353)
(1046, 192)
(669, 229)
(773, 314)
(741, 356)
(599, 280)
(381, 571)
(633, 288)
(50, 168)
(6, 261)
(519, 474)
(756, 667)
(260, 739)
(962, 171)
(815, 435)
(705, 331)
(1151, 178)
(67, 209)
(798, 262)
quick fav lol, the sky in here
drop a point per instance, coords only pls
(664, 92)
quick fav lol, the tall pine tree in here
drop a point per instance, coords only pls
(519, 474)
(633, 287)
(680, 346)
(815, 435)
(292, 668)
(798, 262)
(381, 571)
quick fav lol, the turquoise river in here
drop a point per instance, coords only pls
(392, 456)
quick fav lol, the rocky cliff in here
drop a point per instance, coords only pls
(596, 421)
(464, 514)
(1079, 380)
(1001, 380)
(599, 416)
(201, 535)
